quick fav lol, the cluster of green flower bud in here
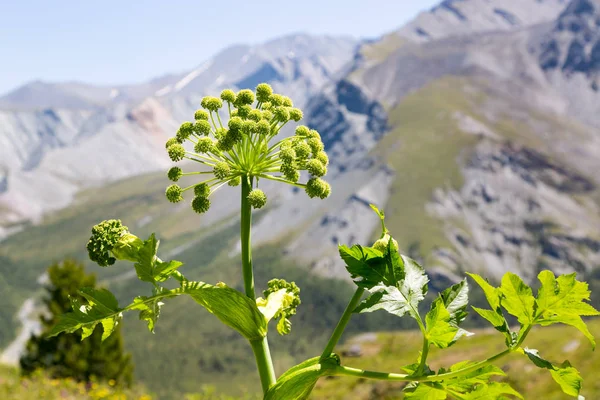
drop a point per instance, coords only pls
(291, 303)
(240, 148)
(112, 241)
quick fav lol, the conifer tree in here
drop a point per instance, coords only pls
(66, 355)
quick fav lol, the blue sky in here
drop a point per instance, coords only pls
(113, 42)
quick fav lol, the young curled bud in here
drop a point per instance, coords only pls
(290, 172)
(296, 114)
(174, 174)
(185, 131)
(222, 170)
(289, 305)
(127, 248)
(202, 190)
(323, 157)
(255, 115)
(105, 237)
(382, 244)
(316, 145)
(245, 96)
(173, 194)
(171, 141)
(263, 127)
(176, 152)
(286, 101)
(211, 103)
(281, 114)
(302, 131)
(276, 100)
(302, 150)
(200, 204)
(202, 127)
(263, 92)
(317, 187)
(204, 145)
(228, 95)
(316, 168)
(237, 181)
(257, 198)
(287, 155)
(201, 115)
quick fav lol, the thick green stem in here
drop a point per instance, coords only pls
(260, 347)
(339, 329)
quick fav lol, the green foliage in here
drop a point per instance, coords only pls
(64, 355)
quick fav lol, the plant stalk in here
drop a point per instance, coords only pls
(260, 348)
(339, 329)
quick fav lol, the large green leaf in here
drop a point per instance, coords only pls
(565, 375)
(492, 390)
(456, 299)
(366, 266)
(517, 298)
(439, 331)
(492, 294)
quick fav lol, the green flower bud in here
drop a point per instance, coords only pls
(174, 174)
(290, 303)
(286, 145)
(314, 134)
(255, 115)
(173, 194)
(302, 131)
(382, 244)
(222, 170)
(176, 152)
(220, 132)
(317, 187)
(235, 136)
(234, 113)
(228, 95)
(243, 111)
(204, 145)
(290, 172)
(105, 237)
(282, 114)
(249, 127)
(287, 102)
(257, 198)
(263, 92)
(263, 127)
(266, 106)
(268, 115)
(296, 114)
(302, 150)
(202, 127)
(128, 248)
(316, 168)
(185, 131)
(315, 145)
(211, 103)
(202, 190)
(171, 141)
(226, 143)
(322, 156)
(235, 124)
(287, 155)
(201, 115)
(237, 181)
(245, 96)
(200, 204)
(276, 99)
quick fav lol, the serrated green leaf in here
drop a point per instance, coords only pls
(425, 391)
(493, 390)
(108, 326)
(101, 299)
(565, 375)
(379, 213)
(563, 300)
(366, 266)
(492, 294)
(439, 331)
(498, 322)
(149, 310)
(467, 382)
(456, 299)
(517, 298)
(162, 271)
(298, 382)
(395, 271)
(146, 260)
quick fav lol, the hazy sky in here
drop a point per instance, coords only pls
(129, 41)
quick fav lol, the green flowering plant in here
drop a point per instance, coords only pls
(249, 147)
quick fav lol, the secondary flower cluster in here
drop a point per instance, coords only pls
(242, 148)
(291, 303)
(112, 241)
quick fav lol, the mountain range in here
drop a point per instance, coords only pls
(475, 126)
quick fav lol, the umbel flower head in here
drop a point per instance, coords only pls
(112, 241)
(246, 147)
